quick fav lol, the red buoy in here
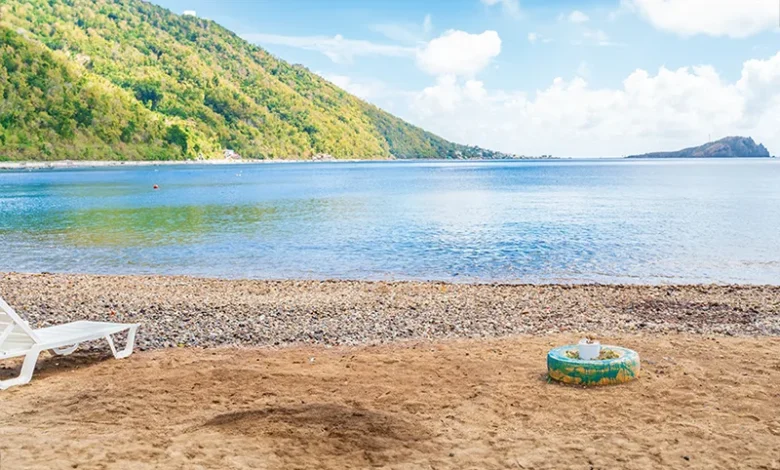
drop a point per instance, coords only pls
(156, 187)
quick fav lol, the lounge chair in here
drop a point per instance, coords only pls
(18, 339)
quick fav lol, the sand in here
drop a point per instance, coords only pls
(700, 403)
(333, 375)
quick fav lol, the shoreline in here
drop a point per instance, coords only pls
(64, 164)
(178, 311)
(91, 164)
(61, 164)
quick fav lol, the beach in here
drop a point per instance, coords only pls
(197, 312)
(310, 374)
(700, 403)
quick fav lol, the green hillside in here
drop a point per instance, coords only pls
(125, 79)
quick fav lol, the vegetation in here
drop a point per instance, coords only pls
(101, 79)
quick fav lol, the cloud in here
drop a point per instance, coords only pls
(366, 90)
(509, 7)
(336, 48)
(666, 110)
(534, 37)
(459, 53)
(447, 95)
(583, 70)
(759, 85)
(625, 7)
(427, 24)
(455, 52)
(408, 33)
(578, 17)
(737, 19)
(595, 37)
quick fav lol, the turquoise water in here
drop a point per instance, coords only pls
(656, 221)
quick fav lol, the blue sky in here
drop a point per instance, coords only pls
(587, 78)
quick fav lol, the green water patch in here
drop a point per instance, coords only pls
(144, 226)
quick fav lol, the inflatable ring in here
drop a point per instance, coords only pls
(579, 372)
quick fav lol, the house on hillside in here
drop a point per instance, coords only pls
(228, 154)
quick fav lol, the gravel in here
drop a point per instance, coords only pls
(183, 311)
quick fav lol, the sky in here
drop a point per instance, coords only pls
(588, 78)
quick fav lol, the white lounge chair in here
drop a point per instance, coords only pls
(18, 339)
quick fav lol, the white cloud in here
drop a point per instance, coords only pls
(336, 48)
(578, 17)
(625, 7)
(667, 110)
(447, 95)
(534, 37)
(427, 24)
(595, 37)
(459, 53)
(734, 18)
(510, 7)
(760, 85)
(455, 53)
(408, 33)
(583, 70)
(367, 90)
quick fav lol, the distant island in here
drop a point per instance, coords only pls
(729, 147)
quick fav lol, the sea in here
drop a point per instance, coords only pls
(530, 221)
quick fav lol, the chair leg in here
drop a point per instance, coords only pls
(28, 367)
(64, 351)
(128, 350)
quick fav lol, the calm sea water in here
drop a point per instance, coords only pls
(653, 221)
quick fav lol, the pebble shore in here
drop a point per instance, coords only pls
(183, 311)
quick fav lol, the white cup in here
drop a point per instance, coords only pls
(588, 350)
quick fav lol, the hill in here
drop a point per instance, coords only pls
(729, 147)
(101, 79)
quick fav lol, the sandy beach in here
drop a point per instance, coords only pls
(306, 374)
(700, 403)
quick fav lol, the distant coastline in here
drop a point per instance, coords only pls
(64, 164)
(61, 164)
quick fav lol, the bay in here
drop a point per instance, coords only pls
(559, 221)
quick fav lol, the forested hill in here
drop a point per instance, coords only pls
(125, 79)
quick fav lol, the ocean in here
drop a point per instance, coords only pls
(531, 221)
